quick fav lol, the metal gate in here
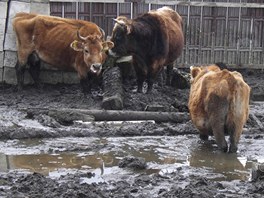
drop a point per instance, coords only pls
(229, 31)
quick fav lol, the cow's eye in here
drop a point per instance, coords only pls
(86, 51)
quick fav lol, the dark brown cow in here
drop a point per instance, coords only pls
(219, 104)
(66, 44)
(154, 39)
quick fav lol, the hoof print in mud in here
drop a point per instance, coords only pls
(136, 163)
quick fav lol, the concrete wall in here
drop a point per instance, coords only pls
(3, 14)
(8, 50)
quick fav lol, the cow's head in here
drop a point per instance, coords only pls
(121, 30)
(94, 51)
(197, 72)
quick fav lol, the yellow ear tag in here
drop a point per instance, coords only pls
(75, 46)
(105, 49)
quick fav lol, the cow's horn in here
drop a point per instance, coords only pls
(81, 37)
(120, 22)
(103, 33)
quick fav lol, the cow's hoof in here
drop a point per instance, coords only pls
(168, 82)
(224, 149)
(232, 149)
(39, 86)
(18, 88)
(139, 90)
(149, 91)
(203, 137)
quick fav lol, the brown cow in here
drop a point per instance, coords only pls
(154, 39)
(219, 104)
(66, 44)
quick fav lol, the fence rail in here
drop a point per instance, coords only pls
(225, 31)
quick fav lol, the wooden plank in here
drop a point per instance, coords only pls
(175, 2)
(251, 42)
(187, 39)
(237, 57)
(231, 66)
(208, 4)
(93, 1)
(226, 35)
(200, 36)
(112, 115)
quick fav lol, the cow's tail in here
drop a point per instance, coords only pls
(23, 24)
(230, 126)
(238, 108)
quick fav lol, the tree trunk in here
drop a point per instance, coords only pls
(113, 115)
(113, 89)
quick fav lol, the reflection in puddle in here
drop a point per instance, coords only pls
(230, 166)
(46, 163)
(161, 154)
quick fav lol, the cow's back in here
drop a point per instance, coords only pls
(171, 23)
(24, 15)
(219, 105)
(51, 37)
(204, 93)
(215, 91)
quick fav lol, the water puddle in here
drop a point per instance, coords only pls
(55, 157)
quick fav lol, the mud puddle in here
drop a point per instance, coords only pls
(100, 157)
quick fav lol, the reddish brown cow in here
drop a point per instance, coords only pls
(66, 44)
(219, 104)
(154, 39)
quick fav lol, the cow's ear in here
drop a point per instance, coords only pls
(107, 45)
(128, 27)
(77, 46)
(194, 71)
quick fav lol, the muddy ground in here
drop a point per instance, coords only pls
(172, 163)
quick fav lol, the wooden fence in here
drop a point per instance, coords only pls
(229, 31)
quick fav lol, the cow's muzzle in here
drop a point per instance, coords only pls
(96, 67)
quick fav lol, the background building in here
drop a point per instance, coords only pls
(229, 31)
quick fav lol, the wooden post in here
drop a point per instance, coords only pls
(112, 87)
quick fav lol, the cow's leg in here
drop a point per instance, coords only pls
(85, 85)
(161, 77)
(154, 69)
(203, 137)
(169, 73)
(20, 70)
(22, 55)
(218, 131)
(235, 133)
(203, 130)
(150, 82)
(141, 72)
(34, 68)
(217, 110)
(140, 81)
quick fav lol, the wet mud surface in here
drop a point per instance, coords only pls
(43, 157)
